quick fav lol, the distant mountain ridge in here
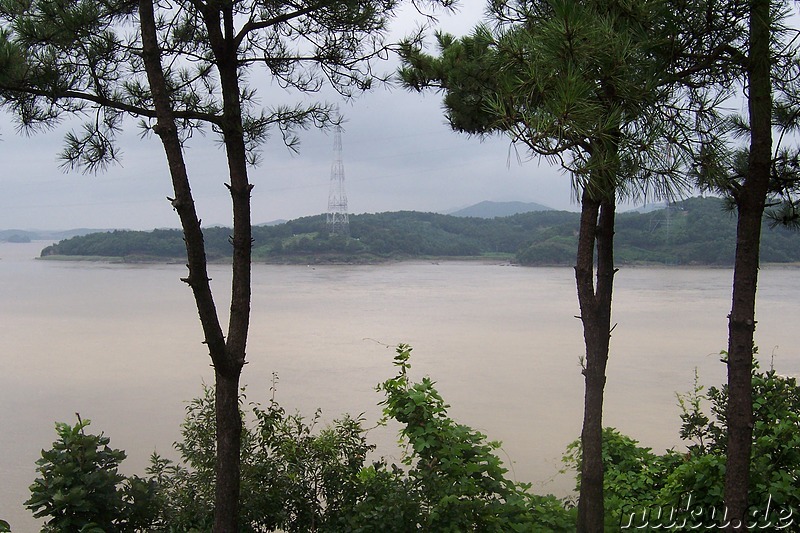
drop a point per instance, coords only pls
(20, 235)
(489, 209)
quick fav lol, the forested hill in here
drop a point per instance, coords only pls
(697, 231)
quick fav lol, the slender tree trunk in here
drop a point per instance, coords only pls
(750, 200)
(596, 227)
(227, 356)
(219, 23)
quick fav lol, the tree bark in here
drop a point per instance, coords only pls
(218, 19)
(227, 356)
(596, 228)
(228, 439)
(750, 201)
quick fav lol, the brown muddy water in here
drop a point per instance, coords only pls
(121, 345)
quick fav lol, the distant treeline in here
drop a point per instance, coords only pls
(697, 231)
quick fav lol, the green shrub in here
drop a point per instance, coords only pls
(293, 477)
(81, 490)
(633, 476)
(775, 458)
(458, 480)
(652, 491)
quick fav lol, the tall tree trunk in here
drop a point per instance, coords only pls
(750, 200)
(227, 355)
(229, 423)
(219, 23)
(596, 227)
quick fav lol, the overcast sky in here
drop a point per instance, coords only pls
(398, 153)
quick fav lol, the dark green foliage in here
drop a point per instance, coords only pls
(373, 237)
(553, 251)
(158, 243)
(464, 71)
(581, 84)
(775, 459)
(293, 477)
(633, 475)
(81, 490)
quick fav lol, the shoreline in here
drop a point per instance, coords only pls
(372, 261)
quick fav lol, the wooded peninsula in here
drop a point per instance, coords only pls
(695, 231)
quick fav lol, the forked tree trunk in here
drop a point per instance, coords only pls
(229, 423)
(750, 201)
(227, 356)
(596, 228)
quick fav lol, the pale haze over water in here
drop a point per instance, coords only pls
(120, 344)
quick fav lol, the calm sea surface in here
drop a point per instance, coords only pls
(121, 345)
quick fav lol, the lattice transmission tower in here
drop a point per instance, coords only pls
(338, 219)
